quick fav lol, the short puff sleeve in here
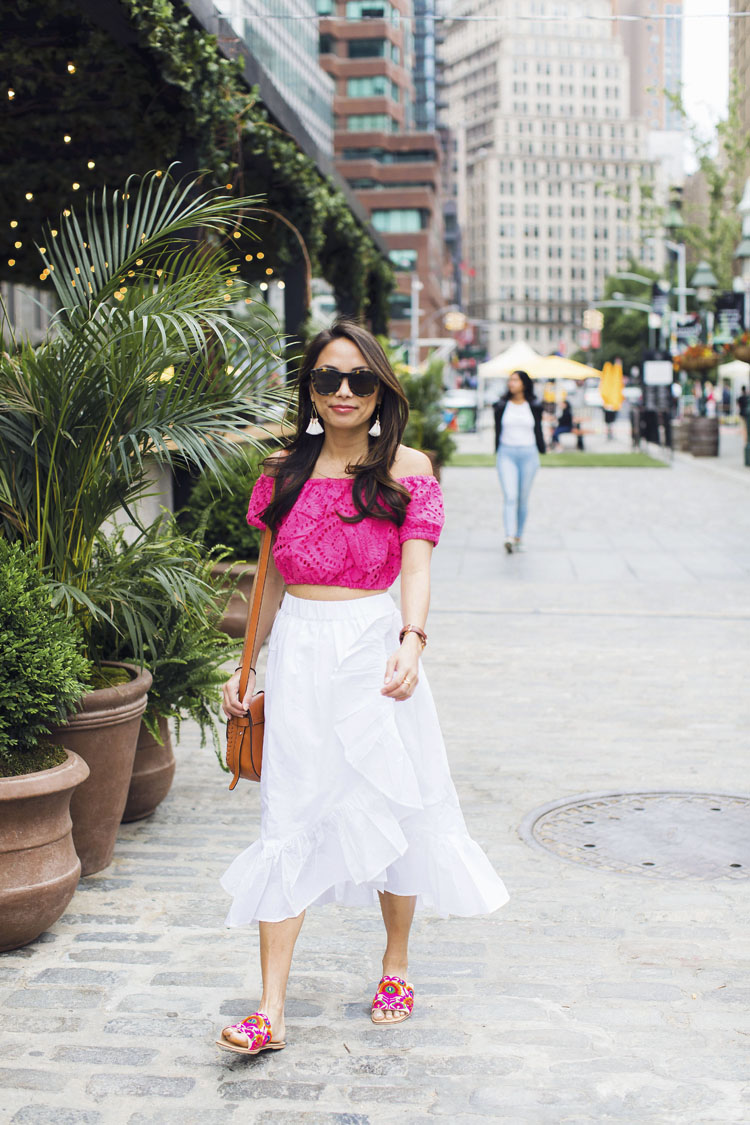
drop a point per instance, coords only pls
(424, 514)
(259, 501)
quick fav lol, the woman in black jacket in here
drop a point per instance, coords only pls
(519, 441)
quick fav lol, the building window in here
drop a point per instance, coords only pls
(373, 86)
(370, 122)
(367, 48)
(399, 306)
(324, 7)
(403, 259)
(325, 44)
(399, 220)
(367, 10)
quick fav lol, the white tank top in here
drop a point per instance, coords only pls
(518, 425)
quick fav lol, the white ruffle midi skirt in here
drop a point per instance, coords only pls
(356, 794)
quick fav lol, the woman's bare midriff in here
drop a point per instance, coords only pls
(330, 593)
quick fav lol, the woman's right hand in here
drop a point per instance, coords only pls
(231, 703)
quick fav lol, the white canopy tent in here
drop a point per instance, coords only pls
(515, 358)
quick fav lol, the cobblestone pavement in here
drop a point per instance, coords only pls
(611, 656)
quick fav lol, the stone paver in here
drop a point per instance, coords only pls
(611, 656)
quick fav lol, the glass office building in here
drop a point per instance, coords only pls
(287, 48)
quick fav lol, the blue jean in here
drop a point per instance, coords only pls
(516, 467)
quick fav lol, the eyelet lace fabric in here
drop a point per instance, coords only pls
(315, 547)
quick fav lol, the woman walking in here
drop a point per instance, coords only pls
(519, 441)
(357, 802)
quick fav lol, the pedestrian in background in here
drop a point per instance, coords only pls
(356, 798)
(519, 441)
(564, 424)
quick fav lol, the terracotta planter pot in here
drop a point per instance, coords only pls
(153, 770)
(235, 619)
(104, 733)
(39, 868)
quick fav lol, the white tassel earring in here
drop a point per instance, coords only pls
(314, 426)
(375, 428)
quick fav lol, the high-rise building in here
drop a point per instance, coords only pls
(556, 191)
(652, 37)
(739, 56)
(394, 168)
(288, 51)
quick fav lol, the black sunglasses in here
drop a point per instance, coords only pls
(327, 380)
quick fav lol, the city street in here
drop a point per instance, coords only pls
(609, 658)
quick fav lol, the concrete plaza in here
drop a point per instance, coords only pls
(612, 656)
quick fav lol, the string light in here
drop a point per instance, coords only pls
(67, 138)
(260, 255)
(11, 261)
(139, 261)
(233, 269)
(18, 245)
(227, 296)
(66, 213)
(269, 272)
(263, 285)
(53, 233)
(228, 187)
(11, 95)
(91, 164)
(14, 223)
(248, 300)
(42, 249)
(76, 187)
(236, 234)
(248, 257)
(280, 285)
(29, 195)
(71, 68)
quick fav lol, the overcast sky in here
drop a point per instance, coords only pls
(705, 60)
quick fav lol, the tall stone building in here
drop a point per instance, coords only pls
(653, 45)
(739, 56)
(368, 49)
(556, 190)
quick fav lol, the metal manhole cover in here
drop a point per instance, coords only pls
(660, 834)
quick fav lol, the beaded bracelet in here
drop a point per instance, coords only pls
(412, 629)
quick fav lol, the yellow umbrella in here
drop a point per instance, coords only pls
(611, 386)
(558, 367)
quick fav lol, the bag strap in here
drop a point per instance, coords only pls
(253, 613)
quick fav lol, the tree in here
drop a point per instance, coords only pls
(713, 232)
(625, 331)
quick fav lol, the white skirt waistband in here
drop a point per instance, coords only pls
(350, 609)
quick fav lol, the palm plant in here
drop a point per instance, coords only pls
(148, 359)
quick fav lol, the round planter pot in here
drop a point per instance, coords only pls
(234, 621)
(104, 733)
(704, 437)
(39, 868)
(153, 770)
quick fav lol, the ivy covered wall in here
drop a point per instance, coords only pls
(101, 89)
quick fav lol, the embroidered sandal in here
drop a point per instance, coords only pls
(393, 995)
(257, 1028)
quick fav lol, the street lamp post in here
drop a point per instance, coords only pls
(705, 283)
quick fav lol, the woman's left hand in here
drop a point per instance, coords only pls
(402, 670)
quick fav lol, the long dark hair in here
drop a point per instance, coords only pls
(528, 386)
(374, 491)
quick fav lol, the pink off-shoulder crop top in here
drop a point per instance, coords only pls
(314, 547)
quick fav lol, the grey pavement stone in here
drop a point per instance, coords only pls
(137, 1028)
(102, 1086)
(120, 936)
(47, 1114)
(271, 1117)
(103, 1056)
(70, 974)
(194, 980)
(124, 956)
(54, 998)
(261, 1088)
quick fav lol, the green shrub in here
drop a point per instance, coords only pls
(426, 428)
(43, 672)
(183, 647)
(216, 512)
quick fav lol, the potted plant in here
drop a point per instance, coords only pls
(149, 362)
(215, 515)
(43, 675)
(184, 652)
(426, 428)
(741, 347)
